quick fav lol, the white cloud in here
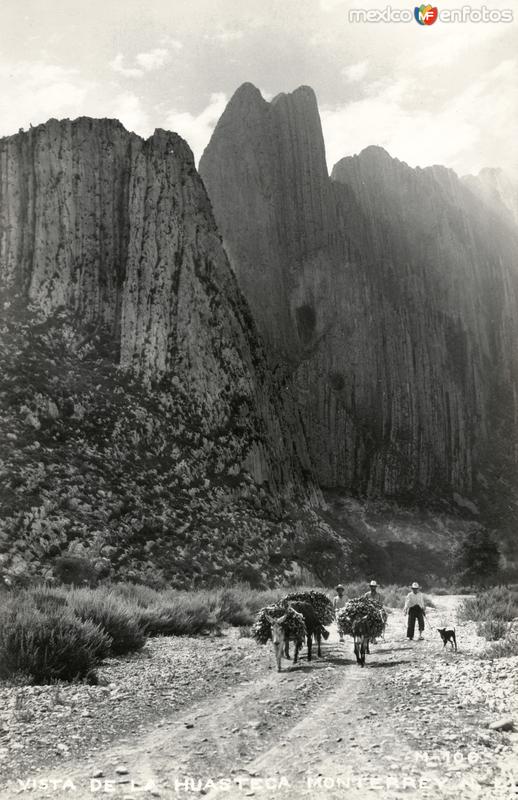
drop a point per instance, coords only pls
(128, 109)
(154, 59)
(197, 129)
(147, 62)
(356, 72)
(31, 92)
(456, 131)
(117, 65)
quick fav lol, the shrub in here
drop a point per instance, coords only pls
(48, 647)
(48, 600)
(184, 618)
(493, 629)
(114, 615)
(137, 593)
(504, 648)
(233, 610)
(498, 603)
(184, 613)
(239, 605)
(477, 558)
(75, 571)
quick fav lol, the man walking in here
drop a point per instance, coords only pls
(415, 607)
(339, 602)
(375, 596)
(373, 593)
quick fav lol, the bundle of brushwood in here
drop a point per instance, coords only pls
(359, 608)
(293, 625)
(320, 602)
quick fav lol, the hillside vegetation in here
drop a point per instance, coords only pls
(130, 477)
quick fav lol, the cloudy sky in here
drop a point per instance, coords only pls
(446, 94)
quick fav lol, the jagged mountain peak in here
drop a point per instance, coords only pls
(245, 94)
(375, 160)
(302, 94)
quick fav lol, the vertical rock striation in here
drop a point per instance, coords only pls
(387, 294)
(120, 231)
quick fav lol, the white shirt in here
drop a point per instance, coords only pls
(339, 602)
(414, 599)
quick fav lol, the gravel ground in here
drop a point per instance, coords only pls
(42, 725)
(210, 710)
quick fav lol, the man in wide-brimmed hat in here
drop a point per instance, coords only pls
(339, 602)
(373, 593)
(415, 607)
(375, 596)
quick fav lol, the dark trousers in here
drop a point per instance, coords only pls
(414, 613)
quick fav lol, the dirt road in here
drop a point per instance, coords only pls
(411, 724)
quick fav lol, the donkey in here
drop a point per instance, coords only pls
(313, 627)
(278, 637)
(361, 639)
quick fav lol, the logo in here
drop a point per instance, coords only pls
(426, 15)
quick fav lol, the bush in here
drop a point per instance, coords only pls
(114, 615)
(498, 603)
(477, 558)
(48, 600)
(504, 648)
(186, 617)
(239, 605)
(75, 571)
(493, 629)
(48, 647)
(137, 594)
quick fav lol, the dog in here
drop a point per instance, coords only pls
(448, 636)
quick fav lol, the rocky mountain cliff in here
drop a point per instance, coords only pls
(141, 418)
(388, 294)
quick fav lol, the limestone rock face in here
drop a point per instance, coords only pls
(388, 294)
(266, 174)
(120, 231)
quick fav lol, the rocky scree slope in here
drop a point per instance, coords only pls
(388, 295)
(142, 425)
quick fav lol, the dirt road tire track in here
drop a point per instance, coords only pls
(323, 730)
